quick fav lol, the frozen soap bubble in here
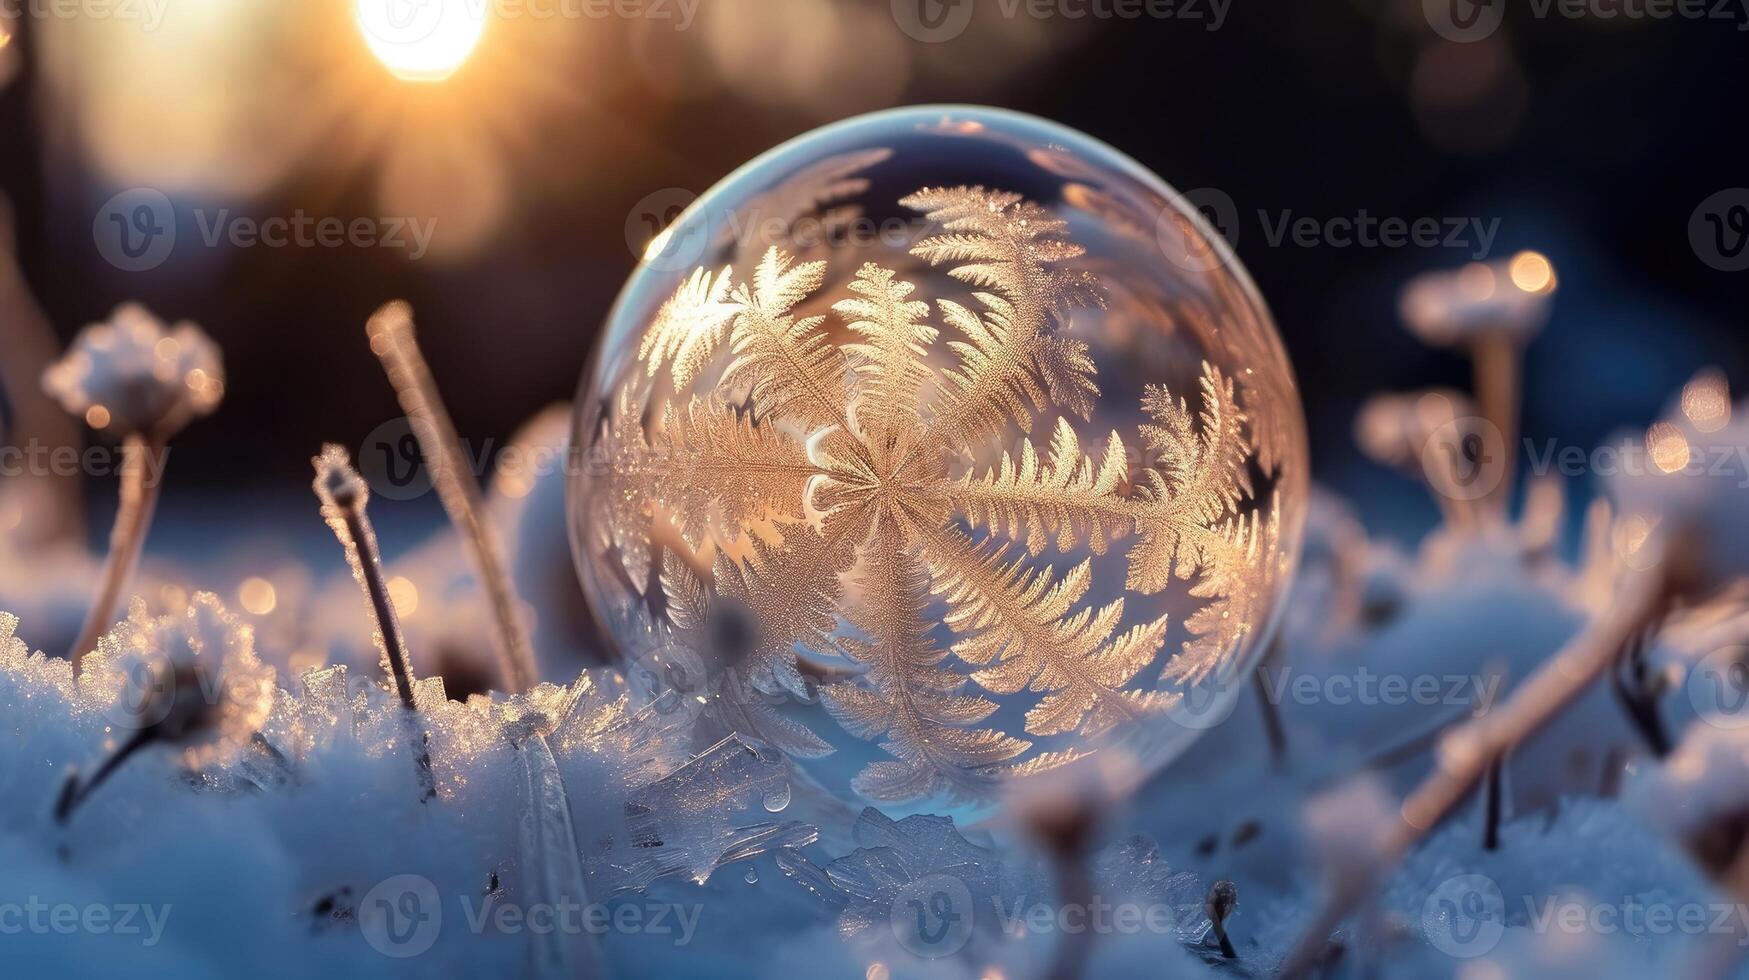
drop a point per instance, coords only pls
(936, 449)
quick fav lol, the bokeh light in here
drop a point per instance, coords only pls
(1706, 401)
(1532, 272)
(405, 595)
(421, 40)
(257, 596)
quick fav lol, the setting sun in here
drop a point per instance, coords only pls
(422, 40)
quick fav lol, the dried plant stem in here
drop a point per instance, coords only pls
(343, 496)
(75, 792)
(1496, 359)
(382, 607)
(1468, 751)
(1637, 689)
(1272, 726)
(1491, 806)
(1458, 510)
(139, 497)
(391, 339)
(1222, 897)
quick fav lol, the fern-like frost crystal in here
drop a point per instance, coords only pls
(811, 518)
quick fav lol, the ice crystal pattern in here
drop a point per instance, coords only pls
(829, 491)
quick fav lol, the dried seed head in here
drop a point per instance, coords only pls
(190, 680)
(1503, 299)
(132, 376)
(1222, 902)
(1394, 429)
(337, 483)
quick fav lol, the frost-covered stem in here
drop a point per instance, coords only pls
(383, 607)
(75, 792)
(343, 494)
(1496, 359)
(1271, 714)
(392, 340)
(343, 499)
(1491, 806)
(139, 497)
(1637, 692)
(1222, 897)
(1465, 754)
(1074, 889)
(1064, 829)
(1457, 510)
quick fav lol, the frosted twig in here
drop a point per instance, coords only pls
(1497, 357)
(1491, 806)
(1467, 752)
(344, 494)
(139, 498)
(75, 791)
(392, 340)
(1223, 897)
(136, 379)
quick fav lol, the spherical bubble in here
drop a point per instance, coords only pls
(938, 449)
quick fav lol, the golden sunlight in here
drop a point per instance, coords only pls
(422, 40)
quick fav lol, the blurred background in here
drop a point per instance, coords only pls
(541, 154)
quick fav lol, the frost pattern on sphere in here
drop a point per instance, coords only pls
(830, 505)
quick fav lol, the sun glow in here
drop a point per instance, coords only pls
(422, 40)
